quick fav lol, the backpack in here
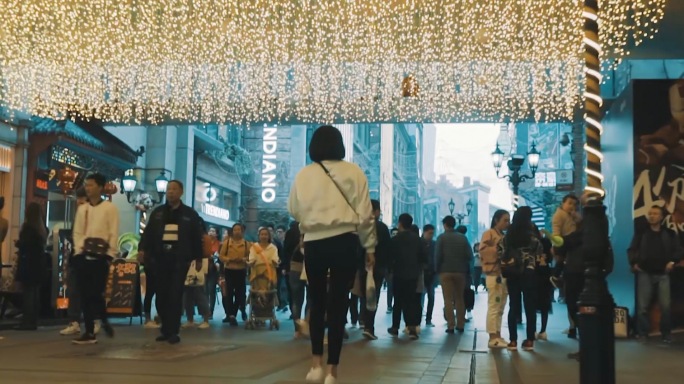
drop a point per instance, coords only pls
(511, 261)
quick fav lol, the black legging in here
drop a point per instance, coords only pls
(337, 255)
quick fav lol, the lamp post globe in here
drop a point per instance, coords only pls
(128, 183)
(497, 158)
(533, 158)
(469, 206)
(451, 205)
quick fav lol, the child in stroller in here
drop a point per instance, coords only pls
(263, 278)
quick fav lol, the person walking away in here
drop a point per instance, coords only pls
(497, 290)
(96, 236)
(213, 270)
(521, 244)
(454, 257)
(331, 201)
(277, 239)
(407, 257)
(382, 257)
(72, 292)
(569, 262)
(32, 270)
(172, 240)
(234, 255)
(653, 255)
(299, 286)
(544, 286)
(429, 274)
(389, 280)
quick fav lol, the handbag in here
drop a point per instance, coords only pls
(95, 246)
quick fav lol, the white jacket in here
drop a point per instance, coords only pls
(97, 221)
(321, 210)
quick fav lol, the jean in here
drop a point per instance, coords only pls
(406, 302)
(335, 256)
(430, 279)
(92, 283)
(210, 284)
(354, 308)
(195, 295)
(298, 288)
(522, 290)
(647, 284)
(236, 291)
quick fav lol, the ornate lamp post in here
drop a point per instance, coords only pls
(515, 164)
(129, 183)
(460, 216)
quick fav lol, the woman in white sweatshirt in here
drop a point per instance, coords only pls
(330, 200)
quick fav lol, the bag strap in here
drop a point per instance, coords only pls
(327, 172)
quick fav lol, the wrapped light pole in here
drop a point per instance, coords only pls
(596, 305)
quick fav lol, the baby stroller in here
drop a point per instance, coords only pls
(262, 298)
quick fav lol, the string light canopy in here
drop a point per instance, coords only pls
(147, 61)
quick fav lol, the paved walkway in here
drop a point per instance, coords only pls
(234, 355)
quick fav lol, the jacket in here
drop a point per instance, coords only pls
(97, 221)
(382, 249)
(231, 260)
(430, 249)
(190, 235)
(454, 253)
(322, 209)
(408, 255)
(489, 254)
(563, 223)
(32, 268)
(641, 250)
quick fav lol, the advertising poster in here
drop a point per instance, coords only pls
(659, 164)
(545, 137)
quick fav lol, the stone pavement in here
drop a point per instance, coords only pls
(234, 355)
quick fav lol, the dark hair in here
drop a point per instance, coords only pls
(179, 183)
(405, 220)
(238, 225)
(428, 227)
(98, 178)
(462, 229)
(326, 144)
(415, 229)
(663, 211)
(394, 229)
(34, 219)
(449, 222)
(375, 204)
(519, 232)
(497, 216)
(570, 196)
(81, 193)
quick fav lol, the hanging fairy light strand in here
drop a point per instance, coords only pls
(146, 61)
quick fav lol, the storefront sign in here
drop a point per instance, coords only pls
(268, 172)
(214, 211)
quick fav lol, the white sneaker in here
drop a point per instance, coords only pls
(72, 329)
(315, 375)
(204, 325)
(188, 325)
(152, 325)
(497, 343)
(330, 379)
(98, 325)
(542, 336)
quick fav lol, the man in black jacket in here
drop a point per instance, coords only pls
(408, 256)
(379, 271)
(171, 241)
(652, 256)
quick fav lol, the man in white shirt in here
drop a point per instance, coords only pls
(96, 234)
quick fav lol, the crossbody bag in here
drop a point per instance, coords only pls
(327, 172)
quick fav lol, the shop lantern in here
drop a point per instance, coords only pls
(66, 177)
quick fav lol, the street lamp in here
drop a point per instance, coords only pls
(515, 164)
(460, 216)
(129, 183)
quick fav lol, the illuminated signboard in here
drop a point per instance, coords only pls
(214, 211)
(268, 171)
